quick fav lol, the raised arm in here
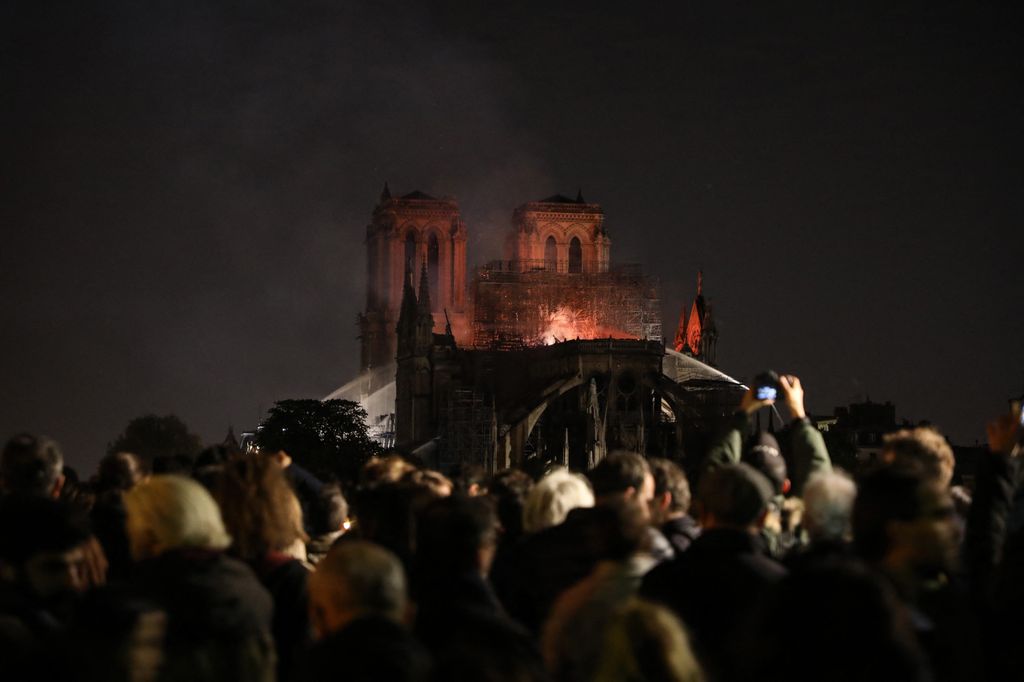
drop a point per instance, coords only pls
(728, 446)
(810, 455)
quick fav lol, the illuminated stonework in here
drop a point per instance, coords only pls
(408, 233)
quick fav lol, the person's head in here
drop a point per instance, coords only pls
(923, 446)
(32, 465)
(168, 512)
(553, 497)
(440, 484)
(380, 470)
(509, 489)
(329, 511)
(456, 534)
(41, 546)
(118, 471)
(213, 456)
(179, 465)
(904, 518)
(616, 531)
(762, 452)
(733, 496)
(469, 479)
(645, 641)
(622, 475)
(828, 503)
(260, 509)
(671, 490)
(385, 512)
(356, 579)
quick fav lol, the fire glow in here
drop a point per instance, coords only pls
(567, 324)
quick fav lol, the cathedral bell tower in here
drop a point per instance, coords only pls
(559, 234)
(405, 231)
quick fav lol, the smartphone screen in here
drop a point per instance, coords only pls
(766, 393)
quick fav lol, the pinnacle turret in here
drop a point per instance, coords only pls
(424, 297)
(407, 312)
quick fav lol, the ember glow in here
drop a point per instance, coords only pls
(564, 324)
(568, 324)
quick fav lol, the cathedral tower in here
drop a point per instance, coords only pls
(406, 232)
(559, 234)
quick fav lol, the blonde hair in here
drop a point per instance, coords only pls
(168, 512)
(554, 496)
(645, 641)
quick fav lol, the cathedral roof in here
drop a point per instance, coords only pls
(419, 195)
(559, 199)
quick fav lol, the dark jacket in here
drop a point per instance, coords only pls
(367, 649)
(29, 632)
(550, 561)
(994, 558)
(713, 586)
(805, 456)
(468, 633)
(218, 616)
(681, 532)
(286, 580)
(307, 489)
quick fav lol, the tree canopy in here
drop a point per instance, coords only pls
(151, 436)
(327, 437)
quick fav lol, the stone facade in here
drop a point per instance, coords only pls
(561, 235)
(409, 233)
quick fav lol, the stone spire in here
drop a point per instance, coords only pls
(385, 193)
(424, 297)
(695, 325)
(407, 312)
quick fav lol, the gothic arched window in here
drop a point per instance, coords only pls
(410, 255)
(550, 254)
(434, 272)
(575, 255)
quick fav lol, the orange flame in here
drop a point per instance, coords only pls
(567, 324)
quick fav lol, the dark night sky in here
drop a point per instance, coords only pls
(186, 186)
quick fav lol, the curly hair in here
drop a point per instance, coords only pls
(923, 446)
(260, 509)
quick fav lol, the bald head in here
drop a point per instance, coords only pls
(356, 579)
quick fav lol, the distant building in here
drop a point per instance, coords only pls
(553, 354)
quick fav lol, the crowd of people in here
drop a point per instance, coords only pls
(244, 566)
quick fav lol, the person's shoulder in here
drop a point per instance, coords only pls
(665, 578)
(764, 567)
(368, 648)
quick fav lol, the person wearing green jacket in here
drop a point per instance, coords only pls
(807, 452)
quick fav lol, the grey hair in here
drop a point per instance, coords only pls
(828, 505)
(554, 496)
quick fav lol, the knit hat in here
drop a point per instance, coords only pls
(763, 453)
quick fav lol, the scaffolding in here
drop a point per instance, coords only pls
(468, 430)
(525, 303)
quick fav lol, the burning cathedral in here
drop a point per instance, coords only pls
(553, 354)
